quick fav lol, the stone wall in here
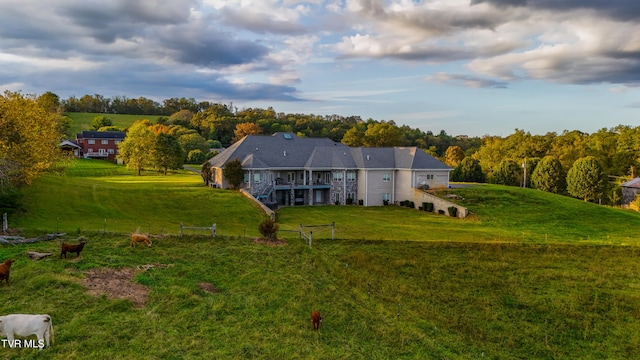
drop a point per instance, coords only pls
(420, 196)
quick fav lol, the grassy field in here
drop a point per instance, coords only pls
(96, 195)
(395, 284)
(83, 121)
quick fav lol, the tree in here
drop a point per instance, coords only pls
(206, 173)
(453, 156)
(244, 129)
(100, 122)
(469, 170)
(29, 138)
(585, 179)
(50, 102)
(136, 148)
(354, 136)
(269, 229)
(193, 141)
(167, 153)
(507, 173)
(383, 134)
(549, 176)
(234, 173)
(196, 157)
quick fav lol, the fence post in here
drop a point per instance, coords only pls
(310, 237)
(213, 231)
(300, 231)
(181, 229)
(333, 230)
(5, 222)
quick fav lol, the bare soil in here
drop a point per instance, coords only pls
(116, 284)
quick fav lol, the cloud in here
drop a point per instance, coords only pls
(466, 80)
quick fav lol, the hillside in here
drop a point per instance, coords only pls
(83, 121)
(457, 290)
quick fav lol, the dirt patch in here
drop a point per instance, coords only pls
(269, 242)
(206, 287)
(116, 284)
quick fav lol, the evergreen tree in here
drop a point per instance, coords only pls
(469, 170)
(549, 176)
(507, 173)
(234, 173)
(585, 179)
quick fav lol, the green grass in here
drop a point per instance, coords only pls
(84, 121)
(96, 195)
(490, 286)
(379, 300)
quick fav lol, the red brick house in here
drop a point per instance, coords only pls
(99, 144)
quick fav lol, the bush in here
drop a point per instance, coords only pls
(349, 201)
(360, 202)
(385, 202)
(441, 212)
(453, 211)
(411, 204)
(269, 229)
(427, 206)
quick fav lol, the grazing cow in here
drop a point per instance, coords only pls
(316, 319)
(5, 269)
(26, 325)
(136, 238)
(72, 249)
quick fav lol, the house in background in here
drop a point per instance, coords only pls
(71, 148)
(630, 191)
(99, 144)
(283, 169)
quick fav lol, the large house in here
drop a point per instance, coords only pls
(284, 169)
(99, 144)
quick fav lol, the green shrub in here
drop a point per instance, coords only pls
(411, 204)
(269, 229)
(427, 206)
(349, 201)
(360, 202)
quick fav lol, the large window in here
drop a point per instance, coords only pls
(247, 176)
(256, 177)
(351, 176)
(337, 176)
(386, 177)
(386, 197)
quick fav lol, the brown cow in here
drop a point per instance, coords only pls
(72, 249)
(316, 319)
(136, 238)
(5, 269)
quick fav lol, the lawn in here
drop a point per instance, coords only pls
(84, 121)
(528, 275)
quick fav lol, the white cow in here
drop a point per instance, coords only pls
(26, 325)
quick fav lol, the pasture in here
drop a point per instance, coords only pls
(83, 121)
(396, 283)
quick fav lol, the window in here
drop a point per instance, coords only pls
(91, 141)
(336, 197)
(90, 150)
(116, 142)
(429, 176)
(110, 151)
(386, 197)
(351, 176)
(386, 177)
(351, 195)
(104, 142)
(256, 177)
(101, 151)
(337, 176)
(247, 176)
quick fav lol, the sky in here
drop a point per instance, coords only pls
(468, 67)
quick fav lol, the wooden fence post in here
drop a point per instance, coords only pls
(333, 230)
(181, 229)
(213, 230)
(5, 223)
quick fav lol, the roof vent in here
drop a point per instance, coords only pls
(285, 153)
(367, 156)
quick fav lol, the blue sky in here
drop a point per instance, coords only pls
(471, 67)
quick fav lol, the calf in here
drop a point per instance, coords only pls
(5, 269)
(72, 249)
(136, 238)
(26, 325)
(316, 319)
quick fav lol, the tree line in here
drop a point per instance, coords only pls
(520, 159)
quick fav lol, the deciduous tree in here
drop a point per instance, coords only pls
(167, 153)
(507, 173)
(453, 156)
(244, 129)
(469, 170)
(136, 148)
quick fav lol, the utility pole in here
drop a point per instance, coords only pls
(524, 166)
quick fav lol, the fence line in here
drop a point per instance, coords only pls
(212, 229)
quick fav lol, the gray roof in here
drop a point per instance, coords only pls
(286, 150)
(633, 183)
(101, 135)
